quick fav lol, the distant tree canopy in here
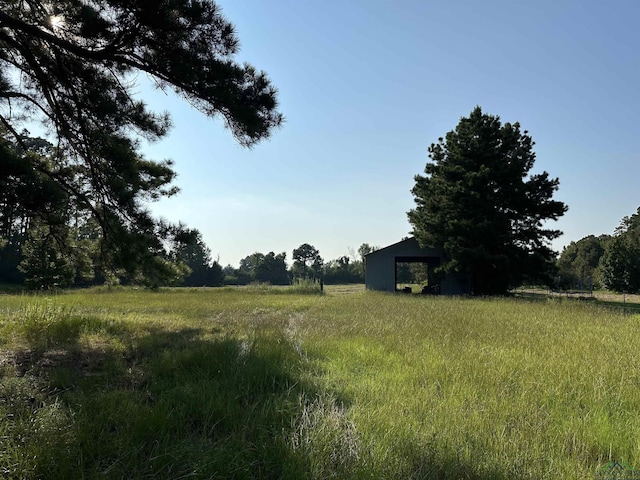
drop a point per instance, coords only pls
(190, 250)
(343, 270)
(72, 66)
(273, 269)
(258, 267)
(365, 249)
(478, 201)
(307, 262)
(578, 262)
(620, 263)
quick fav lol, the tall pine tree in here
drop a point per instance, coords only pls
(479, 202)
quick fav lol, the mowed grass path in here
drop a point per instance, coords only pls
(269, 383)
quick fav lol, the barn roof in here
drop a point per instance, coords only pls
(408, 246)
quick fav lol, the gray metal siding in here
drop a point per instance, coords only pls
(380, 268)
(379, 273)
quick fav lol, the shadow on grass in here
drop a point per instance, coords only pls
(169, 405)
(183, 403)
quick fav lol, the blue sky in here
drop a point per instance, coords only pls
(367, 85)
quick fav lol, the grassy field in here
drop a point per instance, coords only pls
(274, 383)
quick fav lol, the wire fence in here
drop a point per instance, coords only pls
(628, 303)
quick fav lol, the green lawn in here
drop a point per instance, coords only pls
(274, 383)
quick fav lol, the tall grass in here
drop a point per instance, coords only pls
(275, 383)
(484, 388)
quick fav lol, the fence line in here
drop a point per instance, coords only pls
(628, 303)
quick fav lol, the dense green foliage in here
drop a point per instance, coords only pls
(71, 65)
(43, 257)
(38, 260)
(620, 263)
(479, 202)
(578, 262)
(343, 270)
(307, 262)
(261, 268)
(267, 383)
(190, 250)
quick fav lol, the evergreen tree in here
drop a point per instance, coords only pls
(191, 250)
(72, 65)
(478, 201)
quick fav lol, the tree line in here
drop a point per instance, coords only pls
(73, 251)
(307, 265)
(606, 261)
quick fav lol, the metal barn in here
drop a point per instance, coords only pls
(381, 268)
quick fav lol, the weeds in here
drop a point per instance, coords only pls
(299, 286)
